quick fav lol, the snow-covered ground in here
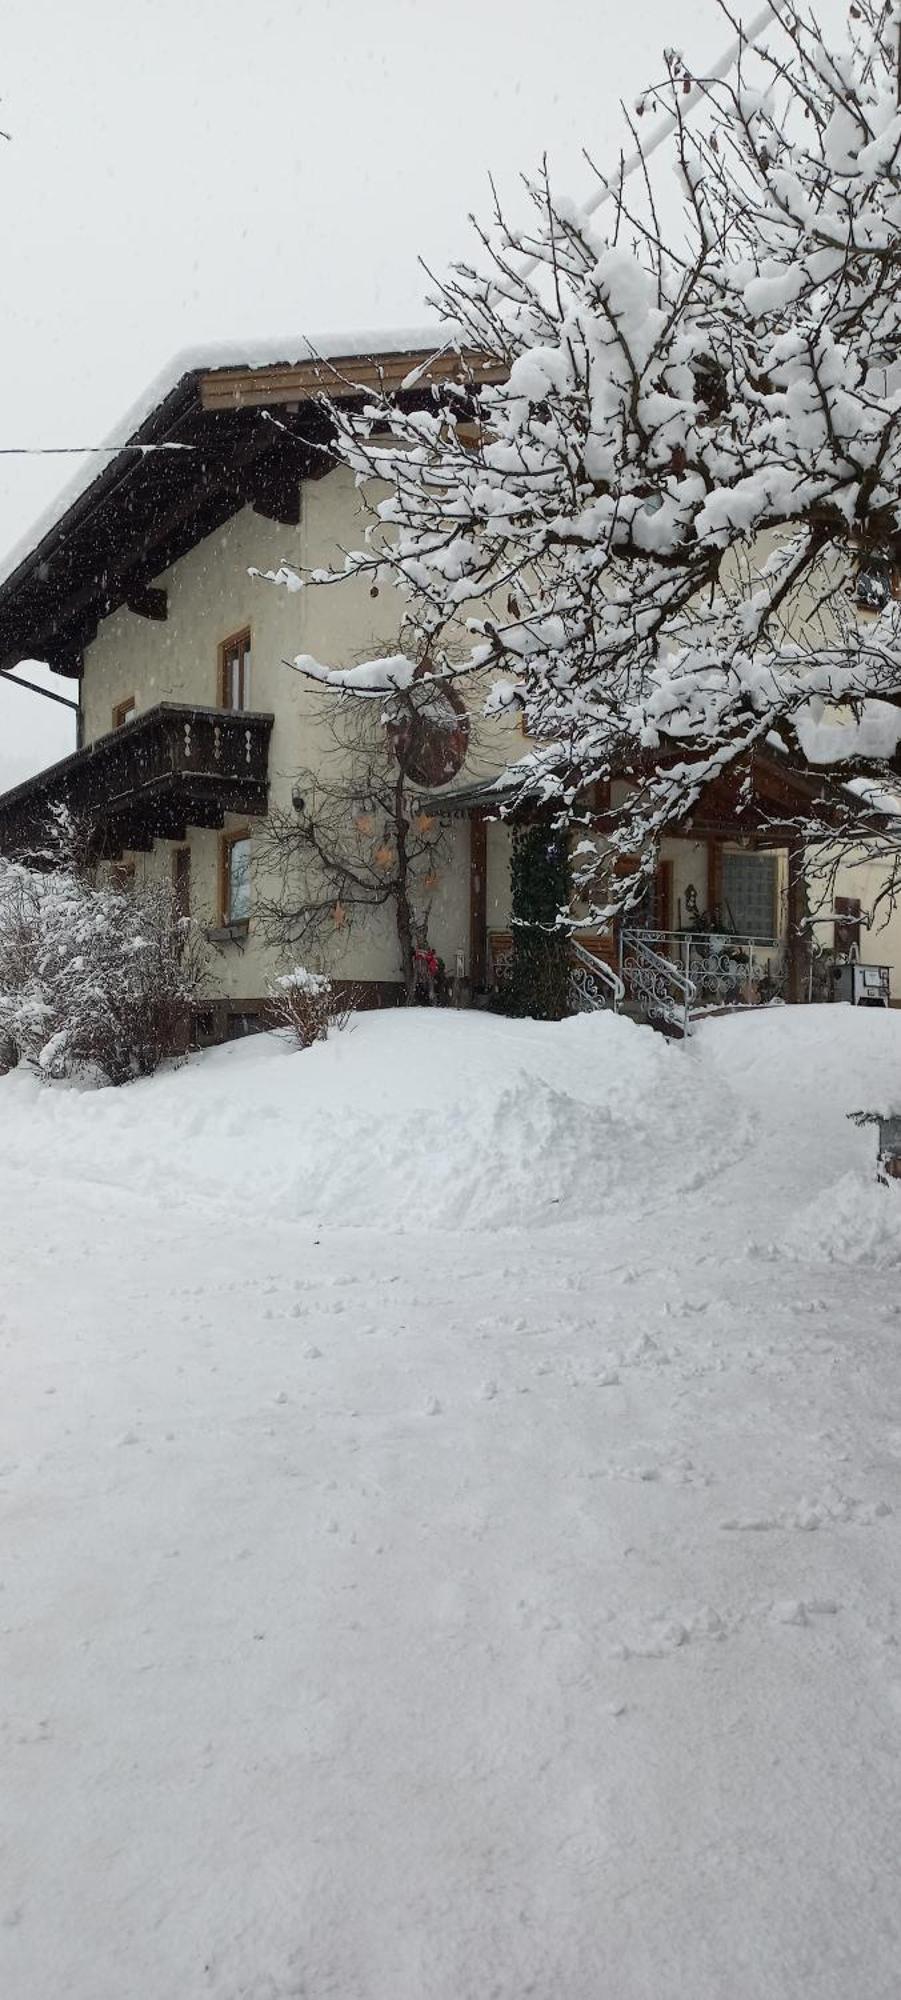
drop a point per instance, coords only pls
(451, 1489)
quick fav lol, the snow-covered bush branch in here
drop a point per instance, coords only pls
(307, 1004)
(93, 978)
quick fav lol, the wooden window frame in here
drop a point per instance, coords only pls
(237, 642)
(662, 896)
(847, 927)
(179, 883)
(226, 842)
(123, 709)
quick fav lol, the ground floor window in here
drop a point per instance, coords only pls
(234, 875)
(181, 880)
(749, 893)
(847, 925)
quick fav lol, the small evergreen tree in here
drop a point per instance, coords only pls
(540, 885)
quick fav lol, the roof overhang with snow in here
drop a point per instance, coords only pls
(201, 446)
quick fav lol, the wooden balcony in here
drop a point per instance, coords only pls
(173, 767)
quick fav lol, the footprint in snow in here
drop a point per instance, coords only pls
(799, 1611)
(832, 1510)
(664, 1634)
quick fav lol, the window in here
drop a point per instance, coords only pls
(181, 880)
(234, 876)
(122, 874)
(847, 924)
(749, 893)
(234, 671)
(123, 710)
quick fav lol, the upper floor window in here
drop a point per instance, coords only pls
(123, 711)
(234, 671)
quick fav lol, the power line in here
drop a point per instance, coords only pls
(87, 450)
(667, 124)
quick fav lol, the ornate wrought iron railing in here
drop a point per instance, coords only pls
(593, 984)
(656, 983)
(677, 976)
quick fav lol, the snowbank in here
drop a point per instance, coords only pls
(857, 1222)
(444, 1120)
(428, 1119)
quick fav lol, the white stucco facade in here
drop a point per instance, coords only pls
(211, 595)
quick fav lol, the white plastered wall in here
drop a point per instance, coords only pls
(211, 595)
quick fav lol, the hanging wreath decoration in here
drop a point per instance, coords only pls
(428, 730)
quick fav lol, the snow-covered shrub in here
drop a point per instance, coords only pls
(25, 1015)
(94, 976)
(307, 1004)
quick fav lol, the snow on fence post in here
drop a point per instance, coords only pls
(888, 1159)
(888, 1166)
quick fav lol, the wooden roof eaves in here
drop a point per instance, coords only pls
(200, 393)
(247, 387)
(156, 429)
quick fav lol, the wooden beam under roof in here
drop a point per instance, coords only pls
(148, 601)
(299, 381)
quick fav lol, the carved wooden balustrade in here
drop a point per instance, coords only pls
(173, 767)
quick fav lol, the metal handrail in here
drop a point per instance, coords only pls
(601, 970)
(722, 938)
(677, 1005)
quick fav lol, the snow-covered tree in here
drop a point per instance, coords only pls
(672, 530)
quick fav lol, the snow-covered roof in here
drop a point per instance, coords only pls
(154, 490)
(287, 351)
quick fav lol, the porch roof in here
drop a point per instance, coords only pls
(744, 802)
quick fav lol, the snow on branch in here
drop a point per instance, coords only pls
(371, 677)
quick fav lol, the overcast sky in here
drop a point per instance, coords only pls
(183, 171)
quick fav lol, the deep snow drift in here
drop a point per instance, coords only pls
(449, 1547)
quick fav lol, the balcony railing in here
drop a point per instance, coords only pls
(172, 767)
(674, 977)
